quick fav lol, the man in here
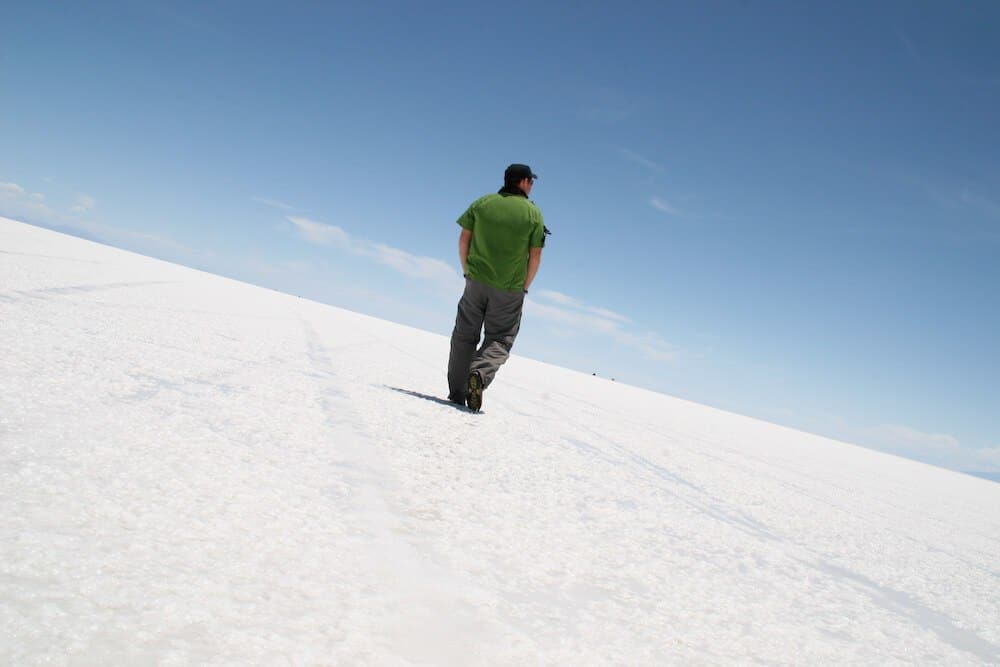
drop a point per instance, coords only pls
(500, 247)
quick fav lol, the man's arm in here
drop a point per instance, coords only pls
(534, 261)
(464, 240)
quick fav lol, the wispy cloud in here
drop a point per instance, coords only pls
(83, 204)
(17, 202)
(968, 210)
(321, 233)
(563, 300)
(274, 203)
(604, 104)
(429, 269)
(907, 439)
(571, 312)
(979, 202)
(990, 457)
(663, 206)
(972, 214)
(644, 161)
(964, 198)
(941, 449)
(658, 203)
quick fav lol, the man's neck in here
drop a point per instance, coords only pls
(512, 190)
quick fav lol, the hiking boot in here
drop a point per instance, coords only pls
(456, 399)
(474, 397)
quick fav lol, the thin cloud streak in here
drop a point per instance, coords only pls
(83, 204)
(606, 105)
(414, 266)
(563, 300)
(570, 312)
(907, 438)
(974, 214)
(10, 190)
(965, 199)
(663, 206)
(941, 449)
(980, 202)
(322, 234)
(644, 161)
(274, 203)
(18, 204)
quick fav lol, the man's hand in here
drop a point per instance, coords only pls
(464, 240)
(534, 261)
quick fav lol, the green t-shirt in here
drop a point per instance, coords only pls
(503, 228)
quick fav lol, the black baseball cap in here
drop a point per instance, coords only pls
(516, 172)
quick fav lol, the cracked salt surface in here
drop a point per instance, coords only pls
(197, 471)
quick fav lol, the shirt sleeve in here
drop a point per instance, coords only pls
(468, 219)
(537, 239)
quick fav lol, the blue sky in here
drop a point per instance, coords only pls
(788, 210)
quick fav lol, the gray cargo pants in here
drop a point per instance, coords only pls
(499, 312)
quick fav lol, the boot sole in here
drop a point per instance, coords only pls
(474, 399)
